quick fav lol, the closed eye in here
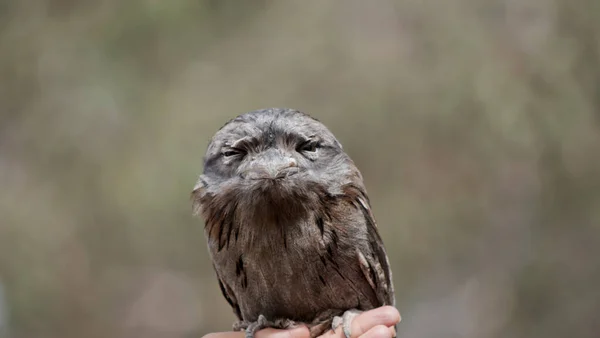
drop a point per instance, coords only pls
(308, 146)
(231, 152)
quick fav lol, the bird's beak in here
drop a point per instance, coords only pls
(271, 164)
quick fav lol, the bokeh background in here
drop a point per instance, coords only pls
(476, 124)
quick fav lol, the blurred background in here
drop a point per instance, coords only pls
(476, 124)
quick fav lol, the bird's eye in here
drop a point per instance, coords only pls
(308, 146)
(231, 152)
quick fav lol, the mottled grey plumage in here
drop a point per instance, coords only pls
(289, 225)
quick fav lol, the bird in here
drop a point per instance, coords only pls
(289, 226)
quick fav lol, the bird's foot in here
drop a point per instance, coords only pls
(262, 323)
(345, 321)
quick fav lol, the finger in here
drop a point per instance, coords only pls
(225, 335)
(385, 316)
(333, 334)
(339, 333)
(297, 332)
(379, 331)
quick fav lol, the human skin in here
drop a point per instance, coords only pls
(376, 323)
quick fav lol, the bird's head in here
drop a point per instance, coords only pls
(272, 158)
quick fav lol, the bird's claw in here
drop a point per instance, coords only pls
(261, 323)
(345, 321)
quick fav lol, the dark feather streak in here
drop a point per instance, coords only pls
(321, 225)
(239, 266)
(322, 280)
(244, 281)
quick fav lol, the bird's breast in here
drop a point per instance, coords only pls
(294, 275)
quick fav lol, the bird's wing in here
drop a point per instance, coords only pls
(229, 295)
(373, 262)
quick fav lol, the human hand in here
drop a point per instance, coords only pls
(376, 323)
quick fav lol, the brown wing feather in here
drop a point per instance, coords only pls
(374, 263)
(229, 296)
